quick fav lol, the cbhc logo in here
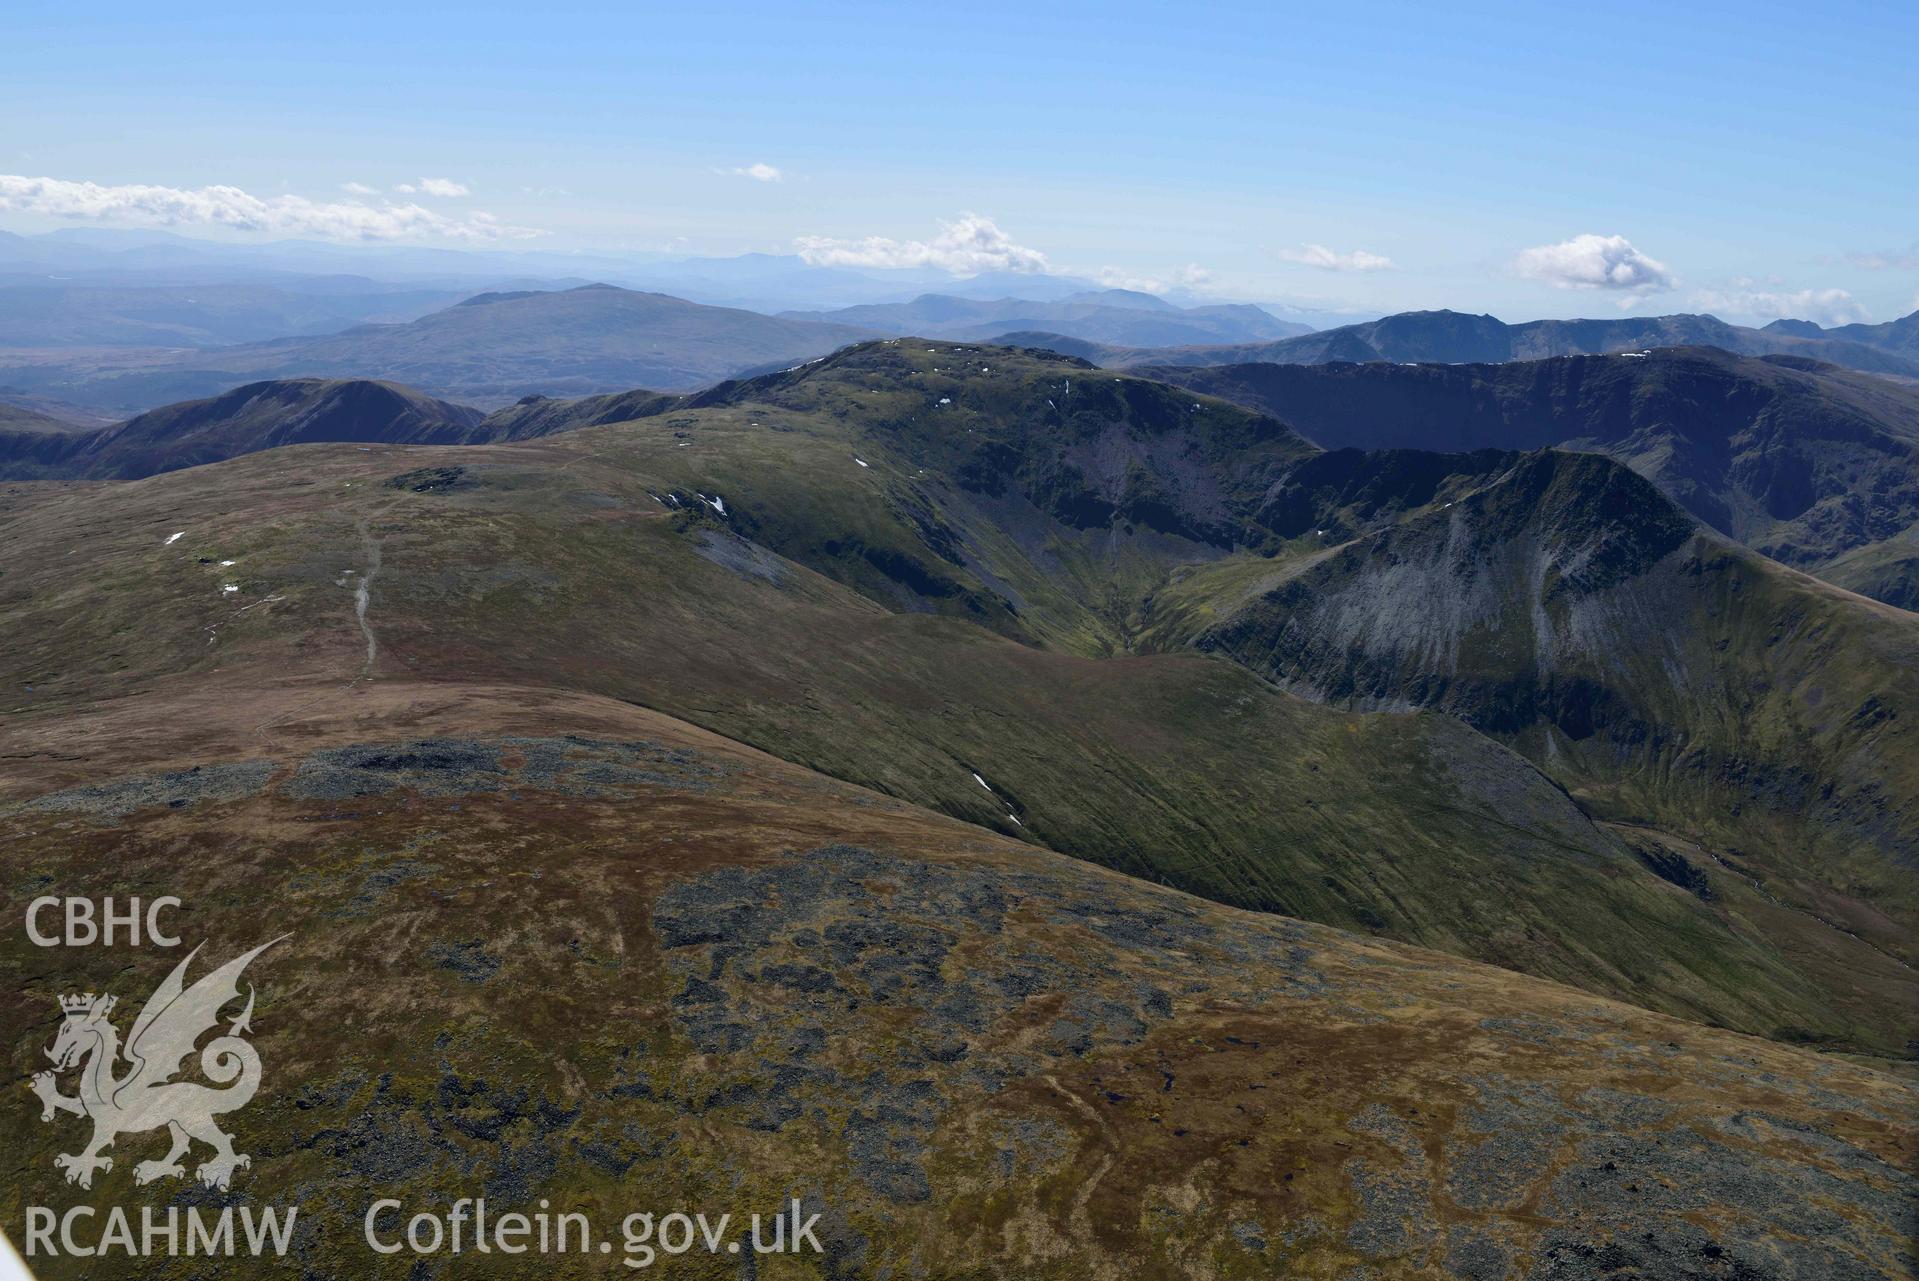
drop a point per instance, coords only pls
(84, 925)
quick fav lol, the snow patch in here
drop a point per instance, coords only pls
(172, 539)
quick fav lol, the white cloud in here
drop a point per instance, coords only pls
(233, 208)
(966, 246)
(1822, 306)
(1594, 262)
(358, 189)
(1328, 260)
(445, 188)
(759, 171)
(1191, 276)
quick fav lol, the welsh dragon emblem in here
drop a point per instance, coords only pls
(145, 1096)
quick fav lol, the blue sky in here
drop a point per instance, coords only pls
(1746, 159)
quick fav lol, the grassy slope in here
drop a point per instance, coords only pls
(1887, 571)
(560, 563)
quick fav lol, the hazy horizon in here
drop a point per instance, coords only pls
(1374, 161)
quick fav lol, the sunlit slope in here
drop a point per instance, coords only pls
(612, 560)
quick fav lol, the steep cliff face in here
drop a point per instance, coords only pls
(1799, 460)
(1568, 609)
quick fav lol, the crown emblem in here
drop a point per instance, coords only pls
(82, 1004)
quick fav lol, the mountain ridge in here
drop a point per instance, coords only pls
(1118, 317)
(1450, 337)
(1803, 462)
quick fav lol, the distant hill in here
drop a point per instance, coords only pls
(490, 349)
(20, 418)
(242, 421)
(204, 314)
(1117, 316)
(32, 444)
(1451, 337)
(1801, 461)
(1901, 335)
(59, 411)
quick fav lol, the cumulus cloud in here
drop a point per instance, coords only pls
(966, 246)
(1594, 262)
(1191, 276)
(1328, 260)
(233, 208)
(759, 171)
(445, 188)
(1822, 306)
(358, 189)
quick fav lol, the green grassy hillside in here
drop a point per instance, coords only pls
(903, 567)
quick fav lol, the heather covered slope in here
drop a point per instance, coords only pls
(578, 954)
(1801, 462)
(969, 578)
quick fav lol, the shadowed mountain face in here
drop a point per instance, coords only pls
(1055, 602)
(242, 421)
(1451, 337)
(1803, 462)
(1116, 316)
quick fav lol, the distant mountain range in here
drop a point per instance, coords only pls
(1118, 316)
(210, 314)
(1451, 337)
(1810, 464)
(1802, 461)
(111, 258)
(490, 349)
